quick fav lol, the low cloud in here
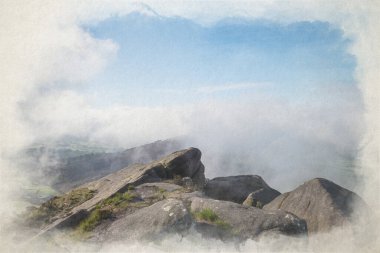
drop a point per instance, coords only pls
(286, 142)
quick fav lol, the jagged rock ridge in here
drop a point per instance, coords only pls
(148, 201)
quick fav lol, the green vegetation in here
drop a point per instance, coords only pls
(106, 209)
(58, 205)
(208, 215)
(94, 219)
(119, 199)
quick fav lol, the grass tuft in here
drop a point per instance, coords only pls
(104, 210)
(94, 219)
(118, 199)
(210, 216)
(207, 215)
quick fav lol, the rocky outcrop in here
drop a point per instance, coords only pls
(148, 201)
(150, 223)
(184, 163)
(243, 221)
(322, 203)
(237, 188)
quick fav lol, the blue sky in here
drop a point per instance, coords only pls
(172, 60)
(280, 98)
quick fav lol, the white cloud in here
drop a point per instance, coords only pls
(263, 132)
(39, 46)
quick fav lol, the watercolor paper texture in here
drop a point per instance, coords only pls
(288, 90)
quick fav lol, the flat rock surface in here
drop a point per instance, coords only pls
(166, 216)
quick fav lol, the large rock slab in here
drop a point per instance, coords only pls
(237, 188)
(152, 222)
(184, 163)
(322, 203)
(78, 170)
(246, 222)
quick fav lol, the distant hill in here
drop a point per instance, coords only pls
(66, 147)
(71, 162)
(81, 169)
(62, 165)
